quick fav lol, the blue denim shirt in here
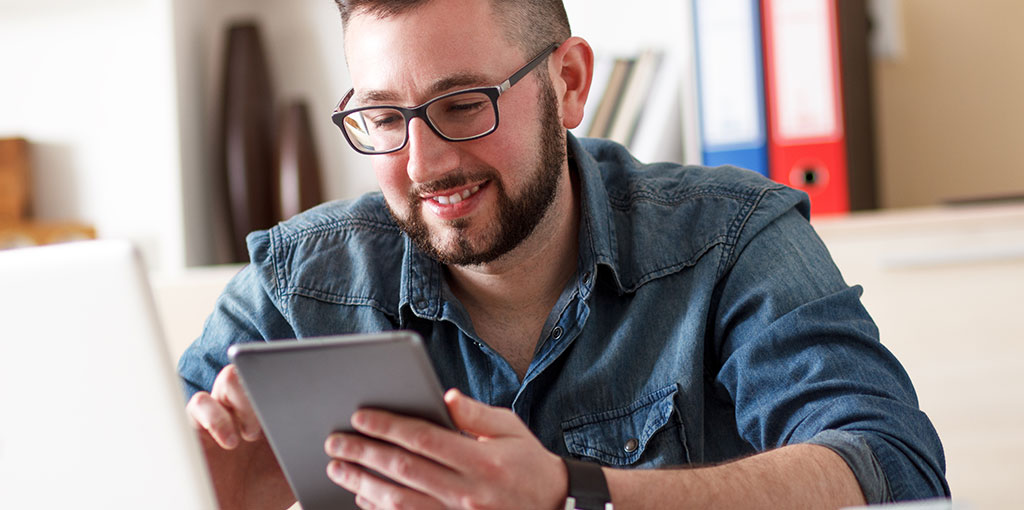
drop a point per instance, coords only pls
(706, 321)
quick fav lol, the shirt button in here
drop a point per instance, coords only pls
(556, 333)
(631, 445)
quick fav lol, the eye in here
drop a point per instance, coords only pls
(387, 120)
(466, 107)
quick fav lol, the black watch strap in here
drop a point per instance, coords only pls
(588, 489)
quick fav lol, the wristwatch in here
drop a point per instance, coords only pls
(588, 489)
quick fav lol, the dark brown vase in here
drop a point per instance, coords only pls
(247, 137)
(298, 167)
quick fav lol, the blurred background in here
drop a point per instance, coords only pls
(120, 101)
(119, 106)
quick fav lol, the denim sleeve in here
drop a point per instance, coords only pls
(248, 310)
(800, 357)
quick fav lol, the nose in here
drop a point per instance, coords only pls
(430, 156)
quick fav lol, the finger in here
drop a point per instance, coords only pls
(365, 504)
(211, 416)
(442, 445)
(375, 492)
(479, 419)
(409, 469)
(228, 390)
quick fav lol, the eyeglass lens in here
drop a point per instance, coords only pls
(457, 117)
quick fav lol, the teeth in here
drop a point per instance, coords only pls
(457, 197)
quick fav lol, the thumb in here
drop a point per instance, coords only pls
(479, 419)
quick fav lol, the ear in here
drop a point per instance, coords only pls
(571, 69)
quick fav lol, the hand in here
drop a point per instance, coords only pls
(245, 472)
(495, 463)
(225, 413)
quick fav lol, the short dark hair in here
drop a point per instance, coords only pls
(531, 24)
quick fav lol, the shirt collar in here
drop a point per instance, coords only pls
(422, 284)
(597, 236)
(422, 277)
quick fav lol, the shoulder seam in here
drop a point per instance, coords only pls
(341, 224)
(667, 270)
(623, 202)
(736, 228)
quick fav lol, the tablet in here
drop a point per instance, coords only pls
(303, 391)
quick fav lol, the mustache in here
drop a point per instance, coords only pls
(454, 179)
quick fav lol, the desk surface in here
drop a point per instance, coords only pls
(946, 287)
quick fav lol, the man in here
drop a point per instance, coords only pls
(623, 315)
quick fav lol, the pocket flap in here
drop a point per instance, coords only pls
(619, 437)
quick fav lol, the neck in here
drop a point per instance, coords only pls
(534, 273)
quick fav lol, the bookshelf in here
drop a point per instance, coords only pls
(132, 148)
(730, 104)
(634, 35)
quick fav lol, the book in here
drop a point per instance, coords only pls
(731, 84)
(806, 144)
(598, 84)
(659, 134)
(635, 92)
(609, 102)
(14, 179)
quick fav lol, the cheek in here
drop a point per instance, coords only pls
(514, 144)
(393, 181)
(516, 152)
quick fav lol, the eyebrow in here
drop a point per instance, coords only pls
(448, 83)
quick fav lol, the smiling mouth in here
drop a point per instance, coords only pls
(455, 198)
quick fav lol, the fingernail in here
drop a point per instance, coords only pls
(334, 444)
(251, 435)
(231, 442)
(358, 418)
(337, 469)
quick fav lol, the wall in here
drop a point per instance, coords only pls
(90, 84)
(304, 45)
(619, 32)
(950, 112)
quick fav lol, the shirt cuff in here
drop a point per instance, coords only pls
(858, 455)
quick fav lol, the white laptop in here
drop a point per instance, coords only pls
(91, 412)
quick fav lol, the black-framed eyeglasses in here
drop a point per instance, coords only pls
(457, 116)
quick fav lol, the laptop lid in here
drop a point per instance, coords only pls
(91, 412)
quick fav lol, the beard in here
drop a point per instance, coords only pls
(517, 216)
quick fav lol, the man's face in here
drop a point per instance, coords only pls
(461, 202)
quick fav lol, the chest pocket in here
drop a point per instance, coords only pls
(647, 433)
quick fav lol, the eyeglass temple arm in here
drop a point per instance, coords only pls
(344, 100)
(527, 68)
